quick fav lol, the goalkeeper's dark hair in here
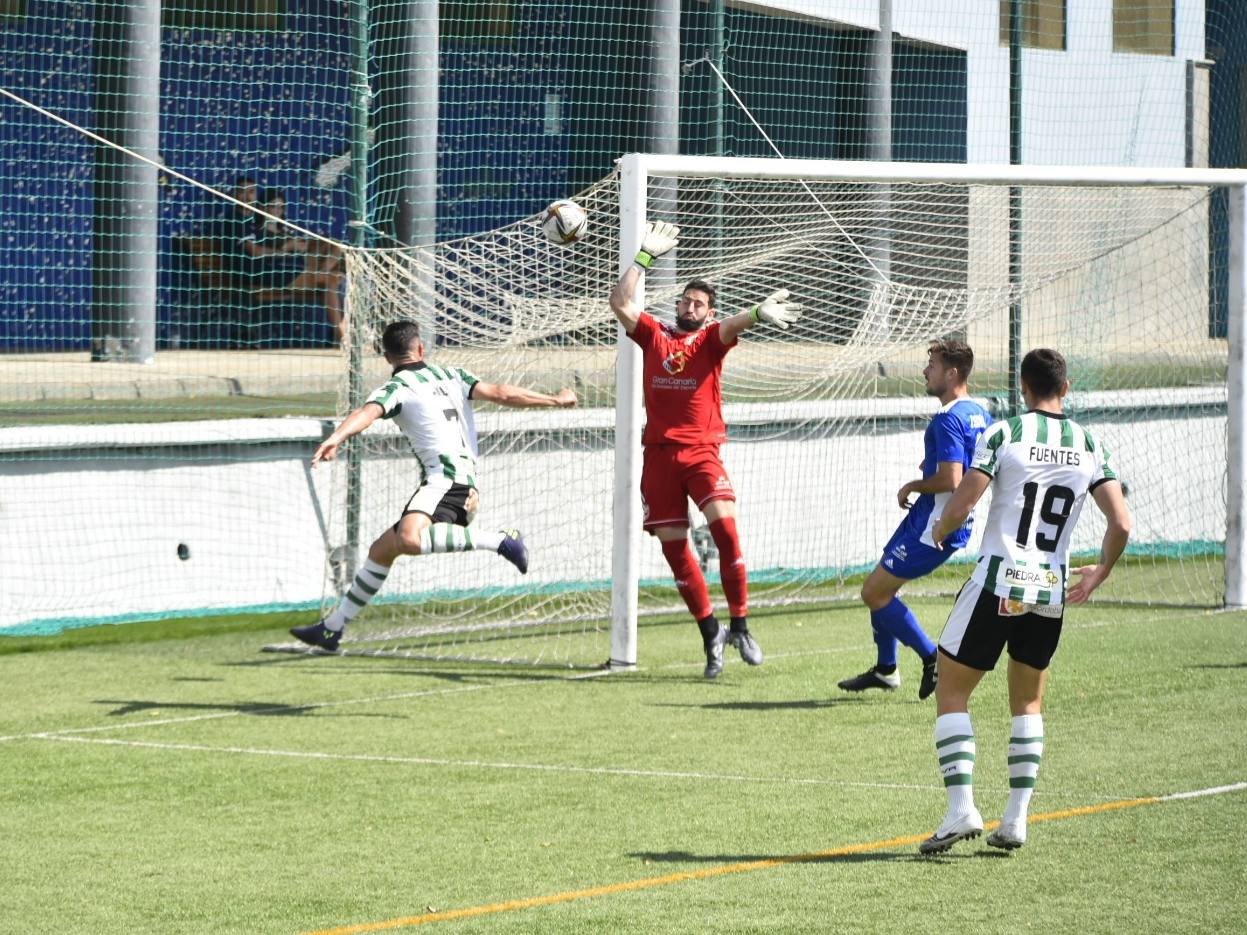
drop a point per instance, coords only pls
(702, 286)
(1044, 372)
(957, 354)
(399, 336)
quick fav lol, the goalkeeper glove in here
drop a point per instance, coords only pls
(776, 310)
(659, 238)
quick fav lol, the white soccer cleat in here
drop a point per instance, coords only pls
(1008, 837)
(961, 827)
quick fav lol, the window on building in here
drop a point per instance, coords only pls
(1144, 26)
(12, 11)
(1043, 23)
(473, 20)
(212, 14)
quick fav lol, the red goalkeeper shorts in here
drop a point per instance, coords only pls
(674, 474)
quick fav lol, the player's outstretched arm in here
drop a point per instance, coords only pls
(353, 424)
(1112, 503)
(957, 510)
(774, 310)
(660, 237)
(946, 477)
(519, 397)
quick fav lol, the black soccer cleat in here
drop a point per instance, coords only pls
(514, 550)
(871, 678)
(319, 635)
(930, 677)
(963, 827)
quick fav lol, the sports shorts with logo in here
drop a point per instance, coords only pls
(672, 475)
(983, 623)
(907, 556)
(442, 500)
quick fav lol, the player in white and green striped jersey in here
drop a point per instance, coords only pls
(432, 405)
(1042, 465)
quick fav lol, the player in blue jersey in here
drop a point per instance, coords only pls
(911, 553)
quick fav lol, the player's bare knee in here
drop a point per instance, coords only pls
(874, 596)
(406, 538)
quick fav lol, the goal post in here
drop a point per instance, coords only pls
(638, 172)
(626, 508)
(1236, 429)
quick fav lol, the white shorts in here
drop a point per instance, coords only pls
(443, 501)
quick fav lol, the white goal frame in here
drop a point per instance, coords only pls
(636, 171)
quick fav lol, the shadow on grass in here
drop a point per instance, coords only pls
(257, 708)
(909, 855)
(1219, 665)
(476, 674)
(796, 704)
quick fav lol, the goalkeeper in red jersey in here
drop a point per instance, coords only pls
(683, 431)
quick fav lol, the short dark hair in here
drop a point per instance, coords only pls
(957, 354)
(1044, 372)
(399, 336)
(244, 180)
(701, 286)
(265, 195)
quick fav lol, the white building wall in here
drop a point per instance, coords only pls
(1087, 105)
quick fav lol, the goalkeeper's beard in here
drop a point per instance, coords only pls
(688, 324)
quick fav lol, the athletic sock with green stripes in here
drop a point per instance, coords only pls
(954, 746)
(1025, 751)
(367, 582)
(447, 537)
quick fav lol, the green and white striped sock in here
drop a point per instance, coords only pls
(368, 581)
(1025, 751)
(447, 537)
(954, 746)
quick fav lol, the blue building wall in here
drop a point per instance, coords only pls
(276, 105)
(272, 105)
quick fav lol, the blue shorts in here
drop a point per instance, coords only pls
(906, 556)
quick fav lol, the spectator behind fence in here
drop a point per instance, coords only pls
(282, 266)
(262, 263)
(232, 228)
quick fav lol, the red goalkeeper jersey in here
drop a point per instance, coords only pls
(683, 398)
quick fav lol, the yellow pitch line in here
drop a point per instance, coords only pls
(652, 882)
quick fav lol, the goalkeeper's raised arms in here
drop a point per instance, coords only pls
(660, 237)
(776, 310)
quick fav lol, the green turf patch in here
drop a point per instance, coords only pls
(172, 778)
(174, 409)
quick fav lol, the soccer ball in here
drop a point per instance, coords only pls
(564, 222)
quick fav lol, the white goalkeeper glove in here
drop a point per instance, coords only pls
(776, 310)
(660, 237)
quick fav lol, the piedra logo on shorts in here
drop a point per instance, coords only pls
(675, 362)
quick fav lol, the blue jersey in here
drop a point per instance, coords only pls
(951, 435)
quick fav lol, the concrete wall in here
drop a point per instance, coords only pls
(94, 533)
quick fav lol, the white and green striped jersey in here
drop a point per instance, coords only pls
(432, 406)
(1042, 466)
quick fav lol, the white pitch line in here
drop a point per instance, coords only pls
(293, 706)
(542, 767)
(483, 764)
(1214, 790)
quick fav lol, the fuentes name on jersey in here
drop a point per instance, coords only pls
(1042, 466)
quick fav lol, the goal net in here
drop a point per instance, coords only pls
(825, 421)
